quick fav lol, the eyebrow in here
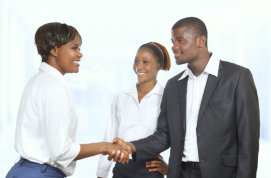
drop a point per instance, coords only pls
(143, 58)
(179, 37)
(74, 44)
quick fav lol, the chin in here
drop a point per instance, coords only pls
(181, 61)
(76, 70)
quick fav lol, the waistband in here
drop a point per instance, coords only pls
(193, 165)
(43, 167)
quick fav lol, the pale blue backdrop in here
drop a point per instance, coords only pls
(239, 31)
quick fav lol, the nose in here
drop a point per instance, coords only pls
(80, 54)
(139, 66)
(174, 46)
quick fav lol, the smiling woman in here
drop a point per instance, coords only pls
(135, 113)
(47, 122)
(59, 47)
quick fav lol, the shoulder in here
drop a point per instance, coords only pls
(174, 79)
(231, 67)
(45, 83)
(231, 70)
(123, 95)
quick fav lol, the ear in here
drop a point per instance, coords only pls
(53, 52)
(201, 41)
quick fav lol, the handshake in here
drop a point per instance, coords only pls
(119, 150)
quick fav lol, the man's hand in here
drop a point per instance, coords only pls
(117, 156)
(119, 151)
(157, 165)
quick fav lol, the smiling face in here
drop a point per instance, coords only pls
(146, 66)
(66, 57)
(185, 45)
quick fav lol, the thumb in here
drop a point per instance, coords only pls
(115, 140)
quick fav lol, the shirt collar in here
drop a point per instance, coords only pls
(211, 67)
(158, 89)
(44, 67)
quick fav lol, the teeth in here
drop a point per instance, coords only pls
(77, 62)
(140, 73)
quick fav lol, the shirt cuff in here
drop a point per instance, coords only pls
(101, 173)
(70, 155)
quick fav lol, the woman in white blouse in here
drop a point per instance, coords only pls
(47, 122)
(135, 112)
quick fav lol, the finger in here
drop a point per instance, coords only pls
(154, 170)
(153, 162)
(129, 149)
(117, 156)
(112, 155)
(160, 157)
(122, 158)
(153, 165)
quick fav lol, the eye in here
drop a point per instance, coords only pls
(136, 61)
(74, 48)
(146, 62)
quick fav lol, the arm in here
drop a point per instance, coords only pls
(59, 124)
(111, 132)
(159, 141)
(92, 149)
(248, 126)
(154, 144)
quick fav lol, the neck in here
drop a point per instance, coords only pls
(144, 88)
(197, 66)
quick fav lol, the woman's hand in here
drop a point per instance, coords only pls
(157, 165)
(116, 156)
(119, 152)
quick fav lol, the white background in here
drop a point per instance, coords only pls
(239, 32)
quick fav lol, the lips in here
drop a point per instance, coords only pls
(176, 54)
(140, 73)
(77, 62)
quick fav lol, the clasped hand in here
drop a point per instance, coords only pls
(120, 151)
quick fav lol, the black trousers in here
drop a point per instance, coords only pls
(134, 169)
(190, 170)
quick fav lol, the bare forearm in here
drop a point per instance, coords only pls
(91, 149)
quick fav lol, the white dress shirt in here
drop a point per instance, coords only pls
(131, 120)
(195, 90)
(47, 122)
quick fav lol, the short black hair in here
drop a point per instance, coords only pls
(52, 35)
(194, 24)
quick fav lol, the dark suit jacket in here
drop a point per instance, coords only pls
(227, 128)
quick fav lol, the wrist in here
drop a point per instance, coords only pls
(132, 146)
(104, 148)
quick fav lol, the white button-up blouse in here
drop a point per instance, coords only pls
(46, 122)
(131, 120)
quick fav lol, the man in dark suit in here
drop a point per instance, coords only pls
(209, 113)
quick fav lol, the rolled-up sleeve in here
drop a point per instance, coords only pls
(110, 133)
(59, 123)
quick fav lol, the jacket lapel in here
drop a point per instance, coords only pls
(209, 90)
(182, 89)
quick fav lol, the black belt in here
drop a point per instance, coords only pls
(193, 165)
